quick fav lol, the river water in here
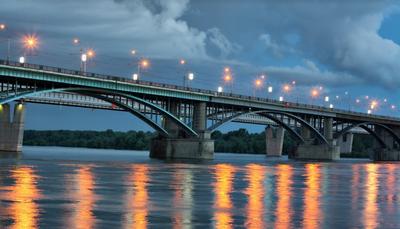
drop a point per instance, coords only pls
(52, 187)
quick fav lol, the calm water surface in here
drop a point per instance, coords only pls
(82, 188)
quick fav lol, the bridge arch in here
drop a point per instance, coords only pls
(365, 126)
(105, 96)
(269, 114)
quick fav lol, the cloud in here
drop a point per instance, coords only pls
(344, 37)
(220, 41)
(276, 49)
(155, 28)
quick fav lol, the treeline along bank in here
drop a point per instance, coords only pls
(238, 141)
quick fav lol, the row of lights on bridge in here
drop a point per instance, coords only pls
(31, 43)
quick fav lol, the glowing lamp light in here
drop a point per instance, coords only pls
(258, 83)
(227, 70)
(337, 97)
(384, 100)
(84, 57)
(366, 97)
(286, 88)
(220, 89)
(133, 52)
(314, 93)
(191, 76)
(369, 111)
(321, 88)
(326, 98)
(331, 106)
(135, 76)
(2, 26)
(22, 60)
(227, 78)
(270, 89)
(357, 101)
(30, 42)
(262, 76)
(393, 107)
(294, 82)
(75, 41)
(144, 63)
(280, 98)
(374, 103)
(182, 62)
(90, 53)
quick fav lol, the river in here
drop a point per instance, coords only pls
(53, 187)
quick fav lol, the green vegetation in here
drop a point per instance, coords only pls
(239, 141)
(134, 140)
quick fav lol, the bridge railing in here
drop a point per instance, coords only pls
(181, 88)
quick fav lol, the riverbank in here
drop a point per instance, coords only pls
(239, 141)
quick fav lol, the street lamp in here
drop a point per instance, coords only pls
(2, 26)
(135, 76)
(83, 62)
(280, 98)
(270, 89)
(142, 64)
(314, 94)
(22, 60)
(75, 41)
(220, 89)
(30, 41)
(190, 77)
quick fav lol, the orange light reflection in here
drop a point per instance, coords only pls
(84, 196)
(283, 210)
(224, 175)
(138, 203)
(24, 210)
(312, 197)
(255, 192)
(370, 214)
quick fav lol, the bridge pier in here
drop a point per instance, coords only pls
(390, 152)
(311, 150)
(274, 141)
(345, 143)
(179, 147)
(11, 132)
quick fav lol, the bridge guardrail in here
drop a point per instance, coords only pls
(176, 87)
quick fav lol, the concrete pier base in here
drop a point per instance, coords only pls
(346, 143)
(274, 141)
(11, 132)
(317, 152)
(381, 154)
(165, 148)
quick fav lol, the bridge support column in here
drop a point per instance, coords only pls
(178, 147)
(345, 143)
(311, 150)
(274, 141)
(11, 133)
(390, 153)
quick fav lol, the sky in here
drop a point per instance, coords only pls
(348, 48)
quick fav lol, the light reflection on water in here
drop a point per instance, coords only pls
(132, 191)
(82, 192)
(23, 209)
(255, 196)
(224, 175)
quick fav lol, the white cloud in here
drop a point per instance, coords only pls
(222, 43)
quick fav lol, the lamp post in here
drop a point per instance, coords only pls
(3, 27)
(190, 78)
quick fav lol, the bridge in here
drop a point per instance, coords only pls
(185, 117)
